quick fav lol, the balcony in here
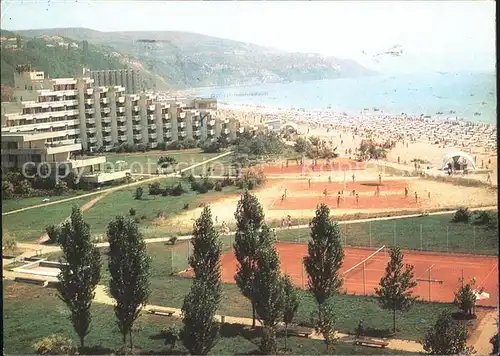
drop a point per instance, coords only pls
(106, 129)
(153, 136)
(137, 127)
(226, 121)
(90, 111)
(181, 125)
(122, 128)
(107, 138)
(197, 133)
(167, 125)
(108, 147)
(135, 108)
(137, 136)
(211, 132)
(182, 133)
(150, 117)
(120, 99)
(152, 107)
(136, 118)
(167, 134)
(211, 122)
(89, 91)
(153, 144)
(90, 120)
(152, 126)
(196, 124)
(91, 130)
(89, 101)
(182, 115)
(104, 101)
(106, 120)
(92, 140)
(121, 119)
(165, 116)
(105, 110)
(226, 131)
(120, 109)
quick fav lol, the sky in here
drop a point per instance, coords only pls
(435, 36)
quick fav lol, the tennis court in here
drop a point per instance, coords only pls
(337, 164)
(437, 274)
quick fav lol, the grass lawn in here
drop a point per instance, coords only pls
(438, 234)
(120, 203)
(32, 313)
(170, 290)
(29, 225)
(14, 204)
(147, 162)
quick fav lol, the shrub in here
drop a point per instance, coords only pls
(175, 145)
(162, 146)
(202, 189)
(137, 220)
(55, 345)
(161, 214)
(208, 184)
(155, 189)
(483, 218)
(173, 240)
(166, 192)
(191, 178)
(138, 193)
(461, 215)
(9, 243)
(178, 190)
(195, 186)
(251, 179)
(171, 335)
(144, 217)
(53, 233)
(185, 207)
(218, 186)
(132, 212)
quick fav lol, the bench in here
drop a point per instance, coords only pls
(371, 342)
(297, 331)
(161, 312)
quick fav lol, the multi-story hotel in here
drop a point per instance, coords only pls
(128, 78)
(73, 114)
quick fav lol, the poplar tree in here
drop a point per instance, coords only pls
(249, 217)
(290, 304)
(395, 286)
(269, 298)
(130, 267)
(80, 272)
(200, 331)
(322, 263)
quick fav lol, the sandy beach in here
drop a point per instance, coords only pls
(416, 137)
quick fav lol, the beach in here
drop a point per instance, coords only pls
(424, 138)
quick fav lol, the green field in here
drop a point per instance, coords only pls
(15, 204)
(29, 225)
(32, 313)
(148, 162)
(438, 234)
(168, 290)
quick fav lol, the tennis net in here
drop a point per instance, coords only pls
(365, 261)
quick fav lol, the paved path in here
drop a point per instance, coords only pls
(117, 188)
(485, 331)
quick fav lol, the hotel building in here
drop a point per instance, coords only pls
(74, 115)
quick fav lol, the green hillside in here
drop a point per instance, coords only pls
(55, 61)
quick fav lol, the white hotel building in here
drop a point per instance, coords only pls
(52, 119)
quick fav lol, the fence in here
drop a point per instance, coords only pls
(436, 235)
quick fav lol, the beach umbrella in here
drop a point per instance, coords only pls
(481, 295)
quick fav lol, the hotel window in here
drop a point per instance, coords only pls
(12, 145)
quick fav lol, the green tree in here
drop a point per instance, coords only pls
(290, 304)
(249, 219)
(129, 266)
(465, 298)
(200, 331)
(447, 337)
(322, 264)
(53, 232)
(494, 344)
(269, 297)
(395, 286)
(138, 193)
(18, 42)
(80, 271)
(166, 161)
(301, 145)
(7, 189)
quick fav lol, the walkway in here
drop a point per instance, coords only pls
(109, 190)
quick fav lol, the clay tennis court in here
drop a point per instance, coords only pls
(447, 268)
(335, 165)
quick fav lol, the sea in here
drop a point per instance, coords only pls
(464, 95)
